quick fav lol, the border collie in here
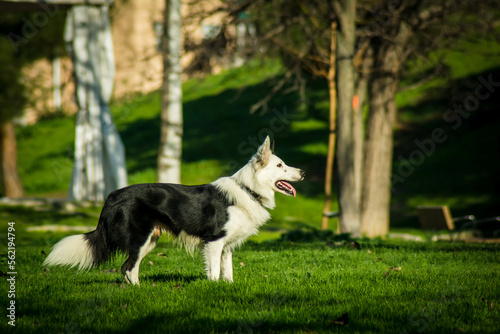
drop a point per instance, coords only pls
(217, 217)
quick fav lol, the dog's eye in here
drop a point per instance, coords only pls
(280, 165)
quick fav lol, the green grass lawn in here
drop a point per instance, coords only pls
(318, 287)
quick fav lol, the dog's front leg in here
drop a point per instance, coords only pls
(213, 251)
(227, 265)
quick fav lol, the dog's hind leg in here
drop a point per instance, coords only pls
(227, 265)
(130, 269)
(127, 267)
(212, 252)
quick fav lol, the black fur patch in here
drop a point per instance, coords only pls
(130, 214)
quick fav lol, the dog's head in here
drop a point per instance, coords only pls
(272, 172)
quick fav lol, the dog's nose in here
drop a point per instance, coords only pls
(302, 173)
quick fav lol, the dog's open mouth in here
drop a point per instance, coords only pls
(286, 188)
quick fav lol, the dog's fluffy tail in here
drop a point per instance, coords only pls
(71, 251)
(83, 250)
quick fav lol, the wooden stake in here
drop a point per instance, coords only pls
(332, 89)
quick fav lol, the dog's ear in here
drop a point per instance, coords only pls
(263, 154)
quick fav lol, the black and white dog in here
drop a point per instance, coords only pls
(218, 217)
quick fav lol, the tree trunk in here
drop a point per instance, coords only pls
(376, 189)
(11, 181)
(378, 157)
(332, 90)
(349, 197)
(99, 166)
(359, 126)
(170, 150)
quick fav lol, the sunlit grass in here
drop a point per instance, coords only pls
(279, 287)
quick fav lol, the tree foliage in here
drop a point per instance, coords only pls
(22, 41)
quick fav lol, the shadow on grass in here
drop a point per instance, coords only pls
(260, 323)
(116, 279)
(174, 278)
(461, 171)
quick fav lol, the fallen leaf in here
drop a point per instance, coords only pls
(395, 268)
(161, 254)
(122, 286)
(343, 320)
(154, 284)
(177, 286)
(242, 264)
(368, 251)
(151, 263)
(491, 305)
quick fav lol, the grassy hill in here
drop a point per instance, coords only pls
(220, 135)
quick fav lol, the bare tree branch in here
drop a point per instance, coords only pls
(263, 103)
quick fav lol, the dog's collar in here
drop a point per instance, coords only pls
(253, 195)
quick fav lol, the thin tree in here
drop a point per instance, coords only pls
(170, 149)
(332, 136)
(12, 102)
(349, 199)
(11, 182)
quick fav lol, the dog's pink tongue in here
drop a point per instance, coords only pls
(289, 186)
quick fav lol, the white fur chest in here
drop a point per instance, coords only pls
(243, 224)
(246, 214)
